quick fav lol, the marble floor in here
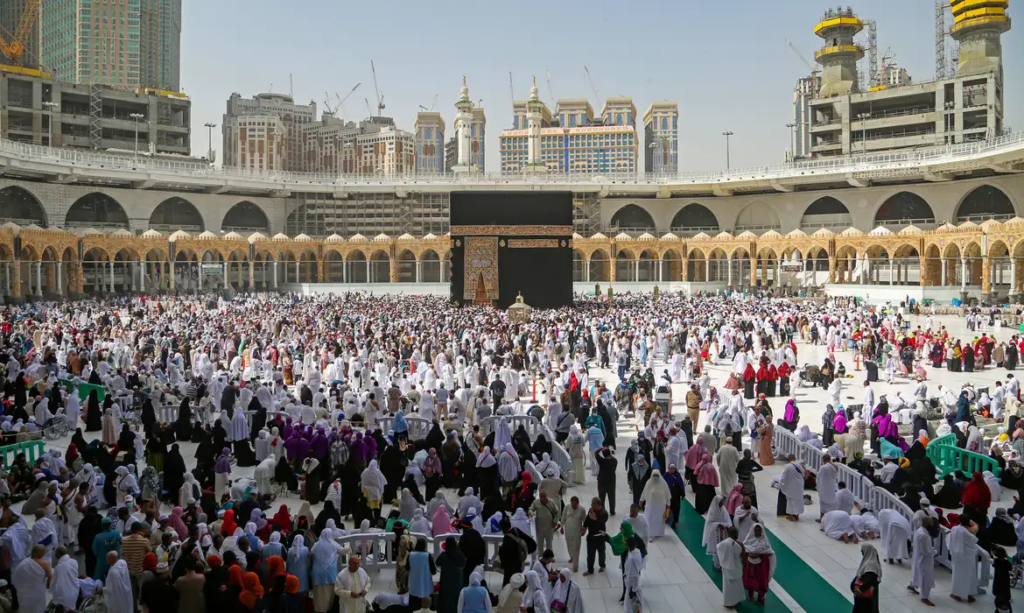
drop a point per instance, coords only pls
(674, 580)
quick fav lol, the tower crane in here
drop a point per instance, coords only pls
(511, 90)
(551, 93)
(812, 72)
(341, 103)
(376, 90)
(15, 48)
(368, 110)
(593, 87)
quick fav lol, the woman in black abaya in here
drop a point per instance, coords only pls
(259, 418)
(148, 416)
(183, 427)
(174, 471)
(93, 416)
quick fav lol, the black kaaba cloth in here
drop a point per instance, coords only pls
(510, 243)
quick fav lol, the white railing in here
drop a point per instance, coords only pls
(377, 548)
(530, 423)
(195, 170)
(419, 427)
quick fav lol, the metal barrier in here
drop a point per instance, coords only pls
(883, 499)
(419, 427)
(949, 459)
(377, 548)
(786, 443)
(33, 450)
(560, 456)
(532, 425)
(859, 485)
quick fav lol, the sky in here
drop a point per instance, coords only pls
(726, 64)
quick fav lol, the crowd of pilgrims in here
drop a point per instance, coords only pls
(295, 387)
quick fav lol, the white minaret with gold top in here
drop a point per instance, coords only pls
(462, 130)
(533, 122)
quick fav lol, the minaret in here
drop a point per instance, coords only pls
(839, 56)
(533, 121)
(978, 26)
(462, 131)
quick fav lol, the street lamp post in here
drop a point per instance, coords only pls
(792, 140)
(863, 117)
(137, 117)
(727, 161)
(50, 106)
(209, 139)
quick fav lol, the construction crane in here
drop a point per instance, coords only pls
(368, 110)
(944, 69)
(551, 93)
(376, 90)
(874, 77)
(810, 67)
(432, 106)
(341, 103)
(15, 48)
(333, 109)
(593, 87)
(511, 90)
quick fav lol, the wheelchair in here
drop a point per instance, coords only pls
(56, 428)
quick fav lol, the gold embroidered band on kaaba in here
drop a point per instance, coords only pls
(511, 230)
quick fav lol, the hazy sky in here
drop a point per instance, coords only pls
(726, 64)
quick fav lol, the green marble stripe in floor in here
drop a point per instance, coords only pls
(690, 531)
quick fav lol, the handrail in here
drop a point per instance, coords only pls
(33, 450)
(863, 163)
(949, 459)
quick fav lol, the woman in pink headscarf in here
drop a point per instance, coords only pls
(441, 523)
(177, 524)
(693, 456)
(735, 499)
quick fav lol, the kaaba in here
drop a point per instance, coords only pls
(509, 243)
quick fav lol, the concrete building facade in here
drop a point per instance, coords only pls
(430, 142)
(291, 115)
(571, 141)
(42, 111)
(259, 143)
(661, 137)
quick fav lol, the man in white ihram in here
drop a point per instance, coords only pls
(730, 555)
(963, 548)
(117, 589)
(351, 587)
(923, 576)
(64, 587)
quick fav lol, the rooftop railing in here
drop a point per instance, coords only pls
(190, 170)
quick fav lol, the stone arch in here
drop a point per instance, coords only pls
(625, 269)
(757, 216)
(380, 267)
(408, 266)
(96, 210)
(1000, 268)
(334, 266)
(718, 260)
(95, 271)
(904, 208)
(432, 268)
(696, 266)
(985, 202)
(176, 213)
(308, 266)
(579, 266)
(647, 263)
(672, 265)
(599, 266)
(905, 265)
(695, 217)
(20, 206)
(246, 217)
(826, 212)
(848, 265)
(632, 217)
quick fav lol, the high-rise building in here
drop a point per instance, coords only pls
(661, 137)
(130, 44)
(572, 141)
(451, 154)
(429, 143)
(258, 143)
(293, 117)
(895, 76)
(477, 132)
(372, 147)
(806, 90)
(160, 44)
(11, 12)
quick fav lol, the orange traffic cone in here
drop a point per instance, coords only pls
(856, 362)
(534, 389)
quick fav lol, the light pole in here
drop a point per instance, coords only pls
(209, 139)
(137, 117)
(727, 162)
(50, 106)
(863, 117)
(792, 139)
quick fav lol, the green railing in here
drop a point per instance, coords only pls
(948, 458)
(33, 450)
(85, 388)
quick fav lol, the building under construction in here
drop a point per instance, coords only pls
(891, 113)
